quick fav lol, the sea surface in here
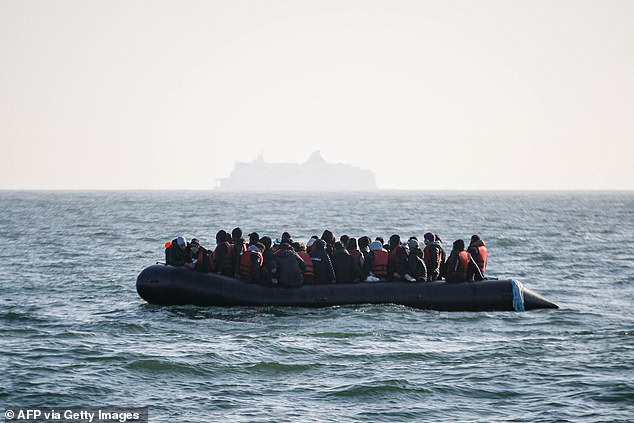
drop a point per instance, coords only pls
(74, 332)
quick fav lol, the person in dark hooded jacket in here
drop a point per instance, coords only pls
(287, 268)
(346, 269)
(322, 264)
(176, 253)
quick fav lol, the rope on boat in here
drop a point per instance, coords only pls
(518, 295)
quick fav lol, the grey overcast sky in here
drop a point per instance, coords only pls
(460, 94)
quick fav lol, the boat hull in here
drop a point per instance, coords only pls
(168, 285)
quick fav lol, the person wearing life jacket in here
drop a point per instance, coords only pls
(309, 273)
(322, 263)
(239, 248)
(310, 245)
(287, 268)
(434, 257)
(251, 263)
(479, 252)
(460, 266)
(378, 260)
(397, 262)
(199, 257)
(346, 269)
(222, 261)
(176, 254)
(416, 269)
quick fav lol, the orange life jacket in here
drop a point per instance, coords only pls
(310, 269)
(379, 264)
(463, 264)
(481, 259)
(246, 268)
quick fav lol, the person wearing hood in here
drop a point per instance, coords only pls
(416, 269)
(330, 239)
(479, 252)
(322, 263)
(364, 248)
(222, 261)
(434, 257)
(460, 265)
(267, 257)
(378, 260)
(287, 268)
(176, 253)
(346, 269)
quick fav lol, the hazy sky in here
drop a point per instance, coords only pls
(428, 94)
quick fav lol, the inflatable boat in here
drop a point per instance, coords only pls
(167, 285)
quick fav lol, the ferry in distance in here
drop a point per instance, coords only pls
(312, 175)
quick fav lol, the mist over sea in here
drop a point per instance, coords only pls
(73, 331)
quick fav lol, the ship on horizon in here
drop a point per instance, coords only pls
(312, 175)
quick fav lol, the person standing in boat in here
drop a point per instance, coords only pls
(397, 262)
(176, 253)
(479, 252)
(460, 266)
(287, 268)
(222, 261)
(416, 269)
(322, 263)
(239, 248)
(434, 257)
(346, 269)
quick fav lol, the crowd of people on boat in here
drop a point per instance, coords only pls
(325, 259)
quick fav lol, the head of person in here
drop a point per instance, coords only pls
(286, 236)
(380, 239)
(181, 242)
(364, 241)
(412, 244)
(338, 245)
(298, 246)
(236, 234)
(276, 244)
(266, 242)
(352, 244)
(475, 238)
(254, 238)
(328, 236)
(395, 240)
(221, 236)
(320, 245)
(344, 239)
(429, 238)
(194, 245)
(458, 245)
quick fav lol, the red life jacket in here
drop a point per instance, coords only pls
(481, 258)
(379, 264)
(246, 269)
(357, 256)
(310, 269)
(228, 257)
(394, 259)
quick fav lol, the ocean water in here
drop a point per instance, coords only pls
(73, 331)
